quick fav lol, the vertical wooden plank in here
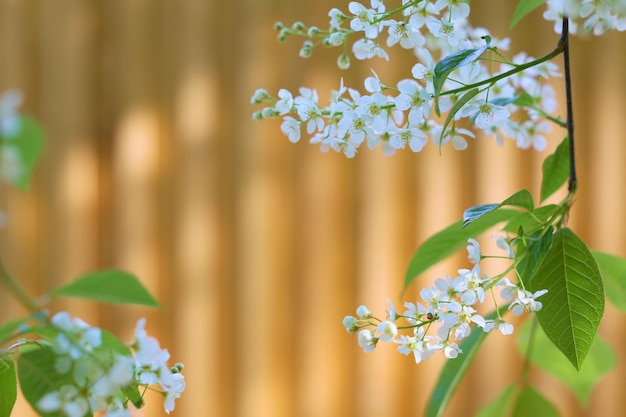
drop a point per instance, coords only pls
(19, 232)
(326, 282)
(601, 148)
(19, 237)
(69, 165)
(196, 211)
(266, 312)
(131, 149)
(63, 213)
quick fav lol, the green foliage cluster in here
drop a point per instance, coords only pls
(26, 355)
(549, 256)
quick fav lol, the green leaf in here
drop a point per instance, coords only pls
(520, 100)
(536, 253)
(502, 405)
(532, 403)
(613, 271)
(455, 109)
(545, 355)
(521, 199)
(474, 213)
(454, 369)
(8, 328)
(574, 305)
(109, 286)
(38, 376)
(8, 386)
(449, 240)
(28, 144)
(110, 343)
(452, 62)
(524, 100)
(531, 222)
(523, 8)
(134, 396)
(555, 170)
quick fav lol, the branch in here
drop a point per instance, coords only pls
(14, 287)
(572, 184)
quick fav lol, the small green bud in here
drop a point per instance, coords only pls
(307, 49)
(299, 26)
(177, 368)
(282, 35)
(257, 115)
(269, 112)
(278, 26)
(343, 62)
(313, 31)
(305, 52)
(259, 96)
(337, 38)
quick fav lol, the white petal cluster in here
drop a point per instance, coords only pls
(10, 122)
(446, 313)
(587, 16)
(151, 367)
(11, 159)
(98, 375)
(401, 115)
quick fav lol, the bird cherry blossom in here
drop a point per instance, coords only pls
(449, 308)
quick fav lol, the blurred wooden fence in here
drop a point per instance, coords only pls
(257, 247)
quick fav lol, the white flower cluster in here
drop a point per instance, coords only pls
(98, 377)
(591, 16)
(449, 305)
(10, 126)
(151, 367)
(396, 116)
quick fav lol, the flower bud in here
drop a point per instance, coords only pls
(282, 35)
(343, 62)
(298, 26)
(259, 96)
(313, 31)
(350, 323)
(269, 112)
(363, 312)
(307, 49)
(337, 38)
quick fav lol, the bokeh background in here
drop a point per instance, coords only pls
(257, 247)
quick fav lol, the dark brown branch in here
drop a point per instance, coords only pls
(572, 184)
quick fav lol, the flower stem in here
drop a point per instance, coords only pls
(14, 287)
(518, 68)
(526, 367)
(572, 184)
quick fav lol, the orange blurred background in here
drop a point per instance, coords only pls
(258, 248)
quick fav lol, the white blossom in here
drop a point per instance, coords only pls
(367, 340)
(67, 400)
(386, 331)
(10, 122)
(285, 103)
(365, 19)
(291, 128)
(443, 28)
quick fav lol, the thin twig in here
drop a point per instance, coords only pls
(572, 184)
(14, 287)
